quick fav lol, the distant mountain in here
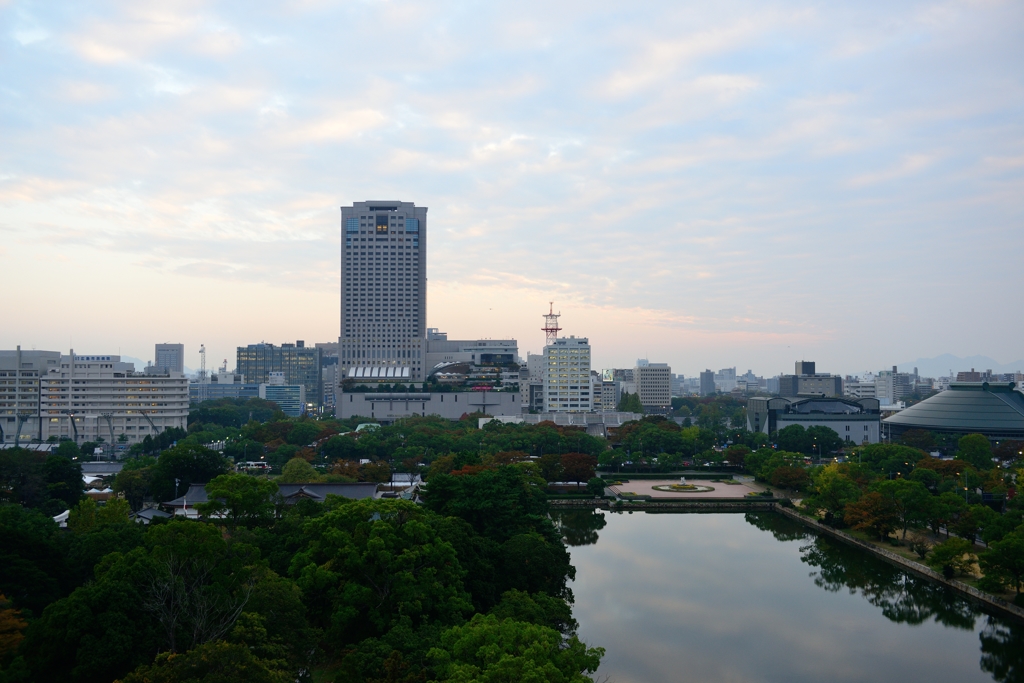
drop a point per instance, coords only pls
(941, 365)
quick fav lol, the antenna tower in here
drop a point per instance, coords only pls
(551, 328)
(202, 362)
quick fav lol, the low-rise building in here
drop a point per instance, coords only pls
(854, 420)
(386, 407)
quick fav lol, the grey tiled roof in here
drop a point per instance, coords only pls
(967, 407)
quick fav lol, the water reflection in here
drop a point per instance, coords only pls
(902, 598)
(579, 527)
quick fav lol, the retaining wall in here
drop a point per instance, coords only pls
(992, 602)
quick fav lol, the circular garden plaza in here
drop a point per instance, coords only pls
(683, 487)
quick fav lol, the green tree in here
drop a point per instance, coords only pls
(214, 662)
(918, 438)
(1003, 562)
(793, 438)
(299, 471)
(189, 464)
(822, 440)
(910, 500)
(63, 480)
(69, 450)
(630, 403)
(370, 564)
(241, 499)
(832, 491)
(551, 467)
(953, 556)
(304, 433)
(87, 515)
(133, 484)
(975, 449)
(491, 650)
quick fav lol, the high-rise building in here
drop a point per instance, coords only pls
(299, 363)
(383, 292)
(653, 384)
(567, 376)
(169, 358)
(707, 383)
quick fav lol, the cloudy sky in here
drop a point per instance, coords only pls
(708, 184)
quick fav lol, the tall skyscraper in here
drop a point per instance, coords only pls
(169, 358)
(383, 292)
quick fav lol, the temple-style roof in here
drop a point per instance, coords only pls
(289, 493)
(995, 410)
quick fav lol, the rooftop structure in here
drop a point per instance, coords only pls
(995, 410)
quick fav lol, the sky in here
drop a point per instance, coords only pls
(705, 184)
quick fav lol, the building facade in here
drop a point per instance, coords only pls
(290, 398)
(567, 376)
(388, 407)
(300, 364)
(854, 420)
(88, 398)
(169, 358)
(707, 383)
(653, 384)
(20, 398)
(383, 292)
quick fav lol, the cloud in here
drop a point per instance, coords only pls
(727, 179)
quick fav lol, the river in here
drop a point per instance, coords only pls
(738, 598)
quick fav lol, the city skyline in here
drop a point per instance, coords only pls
(702, 186)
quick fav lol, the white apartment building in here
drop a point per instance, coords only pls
(654, 385)
(567, 376)
(91, 397)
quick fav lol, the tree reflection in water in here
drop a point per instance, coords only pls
(902, 597)
(579, 527)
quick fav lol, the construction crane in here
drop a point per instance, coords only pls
(149, 420)
(202, 363)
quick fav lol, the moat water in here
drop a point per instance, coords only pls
(738, 598)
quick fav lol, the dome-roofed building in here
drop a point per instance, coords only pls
(995, 410)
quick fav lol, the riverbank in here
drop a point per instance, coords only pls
(990, 601)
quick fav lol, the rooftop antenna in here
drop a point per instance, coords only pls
(551, 328)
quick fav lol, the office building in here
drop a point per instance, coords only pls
(20, 398)
(653, 384)
(169, 358)
(93, 397)
(383, 292)
(387, 407)
(440, 349)
(891, 386)
(855, 420)
(807, 382)
(221, 385)
(299, 364)
(567, 376)
(290, 398)
(707, 383)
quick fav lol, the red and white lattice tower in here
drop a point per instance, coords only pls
(551, 328)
